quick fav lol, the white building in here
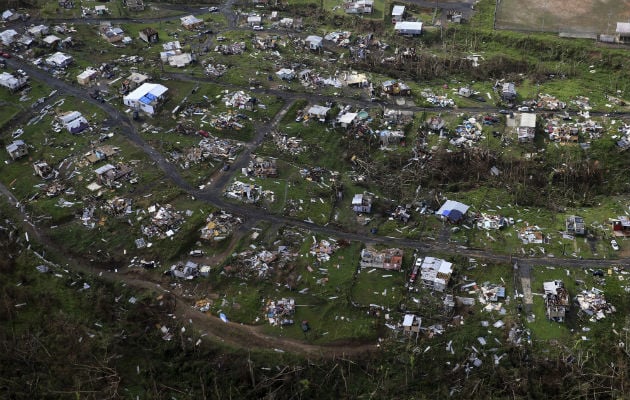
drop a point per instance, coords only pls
(146, 97)
(12, 82)
(314, 42)
(85, 77)
(8, 37)
(434, 272)
(191, 22)
(59, 60)
(408, 28)
(38, 31)
(397, 13)
(254, 20)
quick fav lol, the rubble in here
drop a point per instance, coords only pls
(593, 303)
(188, 270)
(323, 249)
(262, 167)
(219, 225)
(437, 100)
(245, 192)
(215, 70)
(165, 221)
(280, 312)
(231, 49)
(287, 144)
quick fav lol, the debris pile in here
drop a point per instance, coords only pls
(215, 70)
(259, 263)
(280, 312)
(467, 134)
(227, 120)
(188, 270)
(237, 99)
(531, 235)
(548, 102)
(118, 206)
(245, 192)
(593, 303)
(262, 167)
(203, 305)
(219, 225)
(287, 144)
(491, 222)
(165, 221)
(323, 249)
(231, 49)
(437, 100)
(341, 38)
(583, 103)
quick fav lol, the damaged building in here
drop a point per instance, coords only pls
(389, 259)
(556, 300)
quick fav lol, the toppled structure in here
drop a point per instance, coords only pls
(531, 235)
(245, 192)
(491, 222)
(165, 221)
(556, 300)
(593, 303)
(45, 170)
(231, 49)
(262, 167)
(110, 175)
(259, 263)
(280, 312)
(219, 225)
(188, 270)
(238, 99)
(437, 100)
(323, 249)
(287, 144)
(118, 206)
(389, 259)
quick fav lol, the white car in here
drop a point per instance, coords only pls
(258, 28)
(614, 245)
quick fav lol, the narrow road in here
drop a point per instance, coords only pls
(215, 197)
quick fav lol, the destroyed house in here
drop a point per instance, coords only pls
(8, 37)
(108, 174)
(149, 35)
(435, 273)
(575, 225)
(621, 226)
(44, 170)
(389, 259)
(38, 30)
(100, 153)
(395, 88)
(111, 34)
(411, 323)
(134, 5)
(358, 6)
(556, 300)
(17, 149)
(362, 203)
(263, 168)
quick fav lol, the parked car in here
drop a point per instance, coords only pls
(203, 133)
(213, 9)
(504, 112)
(524, 109)
(5, 54)
(258, 28)
(196, 253)
(614, 245)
